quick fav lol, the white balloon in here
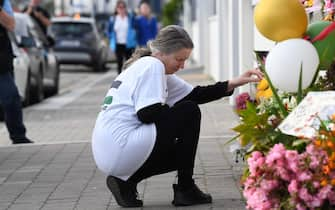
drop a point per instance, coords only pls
(284, 61)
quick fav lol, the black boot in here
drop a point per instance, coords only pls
(190, 196)
(125, 193)
(22, 141)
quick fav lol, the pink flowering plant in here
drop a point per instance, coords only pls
(285, 179)
(242, 100)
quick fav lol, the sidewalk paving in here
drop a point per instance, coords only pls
(62, 175)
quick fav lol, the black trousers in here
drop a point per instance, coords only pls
(176, 144)
(122, 54)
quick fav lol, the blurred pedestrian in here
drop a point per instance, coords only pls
(150, 120)
(10, 99)
(146, 24)
(122, 34)
(40, 15)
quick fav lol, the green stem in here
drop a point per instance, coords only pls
(299, 94)
(315, 77)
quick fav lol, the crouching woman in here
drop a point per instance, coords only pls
(150, 120)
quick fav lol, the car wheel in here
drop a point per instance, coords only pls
(2, 115)
(99, 66)
(51, 91)
(27, 97)
(37, 90)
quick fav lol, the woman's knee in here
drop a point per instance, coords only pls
(190, 110)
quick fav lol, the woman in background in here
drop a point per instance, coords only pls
(146, 24)
(122, 34)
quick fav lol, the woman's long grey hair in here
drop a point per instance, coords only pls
(170, 39)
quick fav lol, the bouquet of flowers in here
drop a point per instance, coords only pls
(287, 179)
(285, 170)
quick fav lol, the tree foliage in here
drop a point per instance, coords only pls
(171, 12)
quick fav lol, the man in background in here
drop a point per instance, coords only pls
(40, 15)
(9, 96)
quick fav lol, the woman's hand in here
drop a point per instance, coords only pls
(253, 75)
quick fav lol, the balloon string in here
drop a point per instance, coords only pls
(324, 33)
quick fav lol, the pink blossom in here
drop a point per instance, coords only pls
(323, 193)
(304, 195)
(257, 198)
(292, 160)
(255, 161)
(276, 153)
(241, 100)
(315, 202)
(315, 162)
(285, 171)
(331, 197)
(300, 207)
(293, 187)
(268, 185)
(304, 176)
(316, 184)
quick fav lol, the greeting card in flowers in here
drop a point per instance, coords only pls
(303, 121)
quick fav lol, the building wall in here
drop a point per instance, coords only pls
(213, 47)
(223, 34)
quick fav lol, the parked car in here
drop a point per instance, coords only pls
(22, 73)
(77, 41)
(24, 39)
(102, 20)
(46, 44)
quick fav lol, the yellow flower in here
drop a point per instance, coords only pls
(326, 169)
(329, 17)
(268, 93)
(323, 182)
(263, 90)
(264, 94)
(332, 117)
(330, 144)
(263, 84)
(309, 3)
(317, 142)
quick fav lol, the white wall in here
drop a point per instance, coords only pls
(213, 48)
(196, 55)
(224, 43)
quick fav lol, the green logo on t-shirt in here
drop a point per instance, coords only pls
(107, 101)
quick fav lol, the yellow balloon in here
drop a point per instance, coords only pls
(279, 20)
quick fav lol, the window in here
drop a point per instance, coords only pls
(74, 29)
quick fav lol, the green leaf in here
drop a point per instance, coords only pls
(232, 139)
(299, 93)
(316, 74)
(299, 142)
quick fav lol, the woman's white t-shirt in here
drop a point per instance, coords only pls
(121, 142)
(121, 29)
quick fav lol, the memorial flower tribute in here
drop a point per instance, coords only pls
(288, 127)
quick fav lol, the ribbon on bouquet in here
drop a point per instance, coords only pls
(324, 33)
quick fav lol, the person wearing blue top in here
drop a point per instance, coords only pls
(10, 100)
(122, 34)
(146, 24)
